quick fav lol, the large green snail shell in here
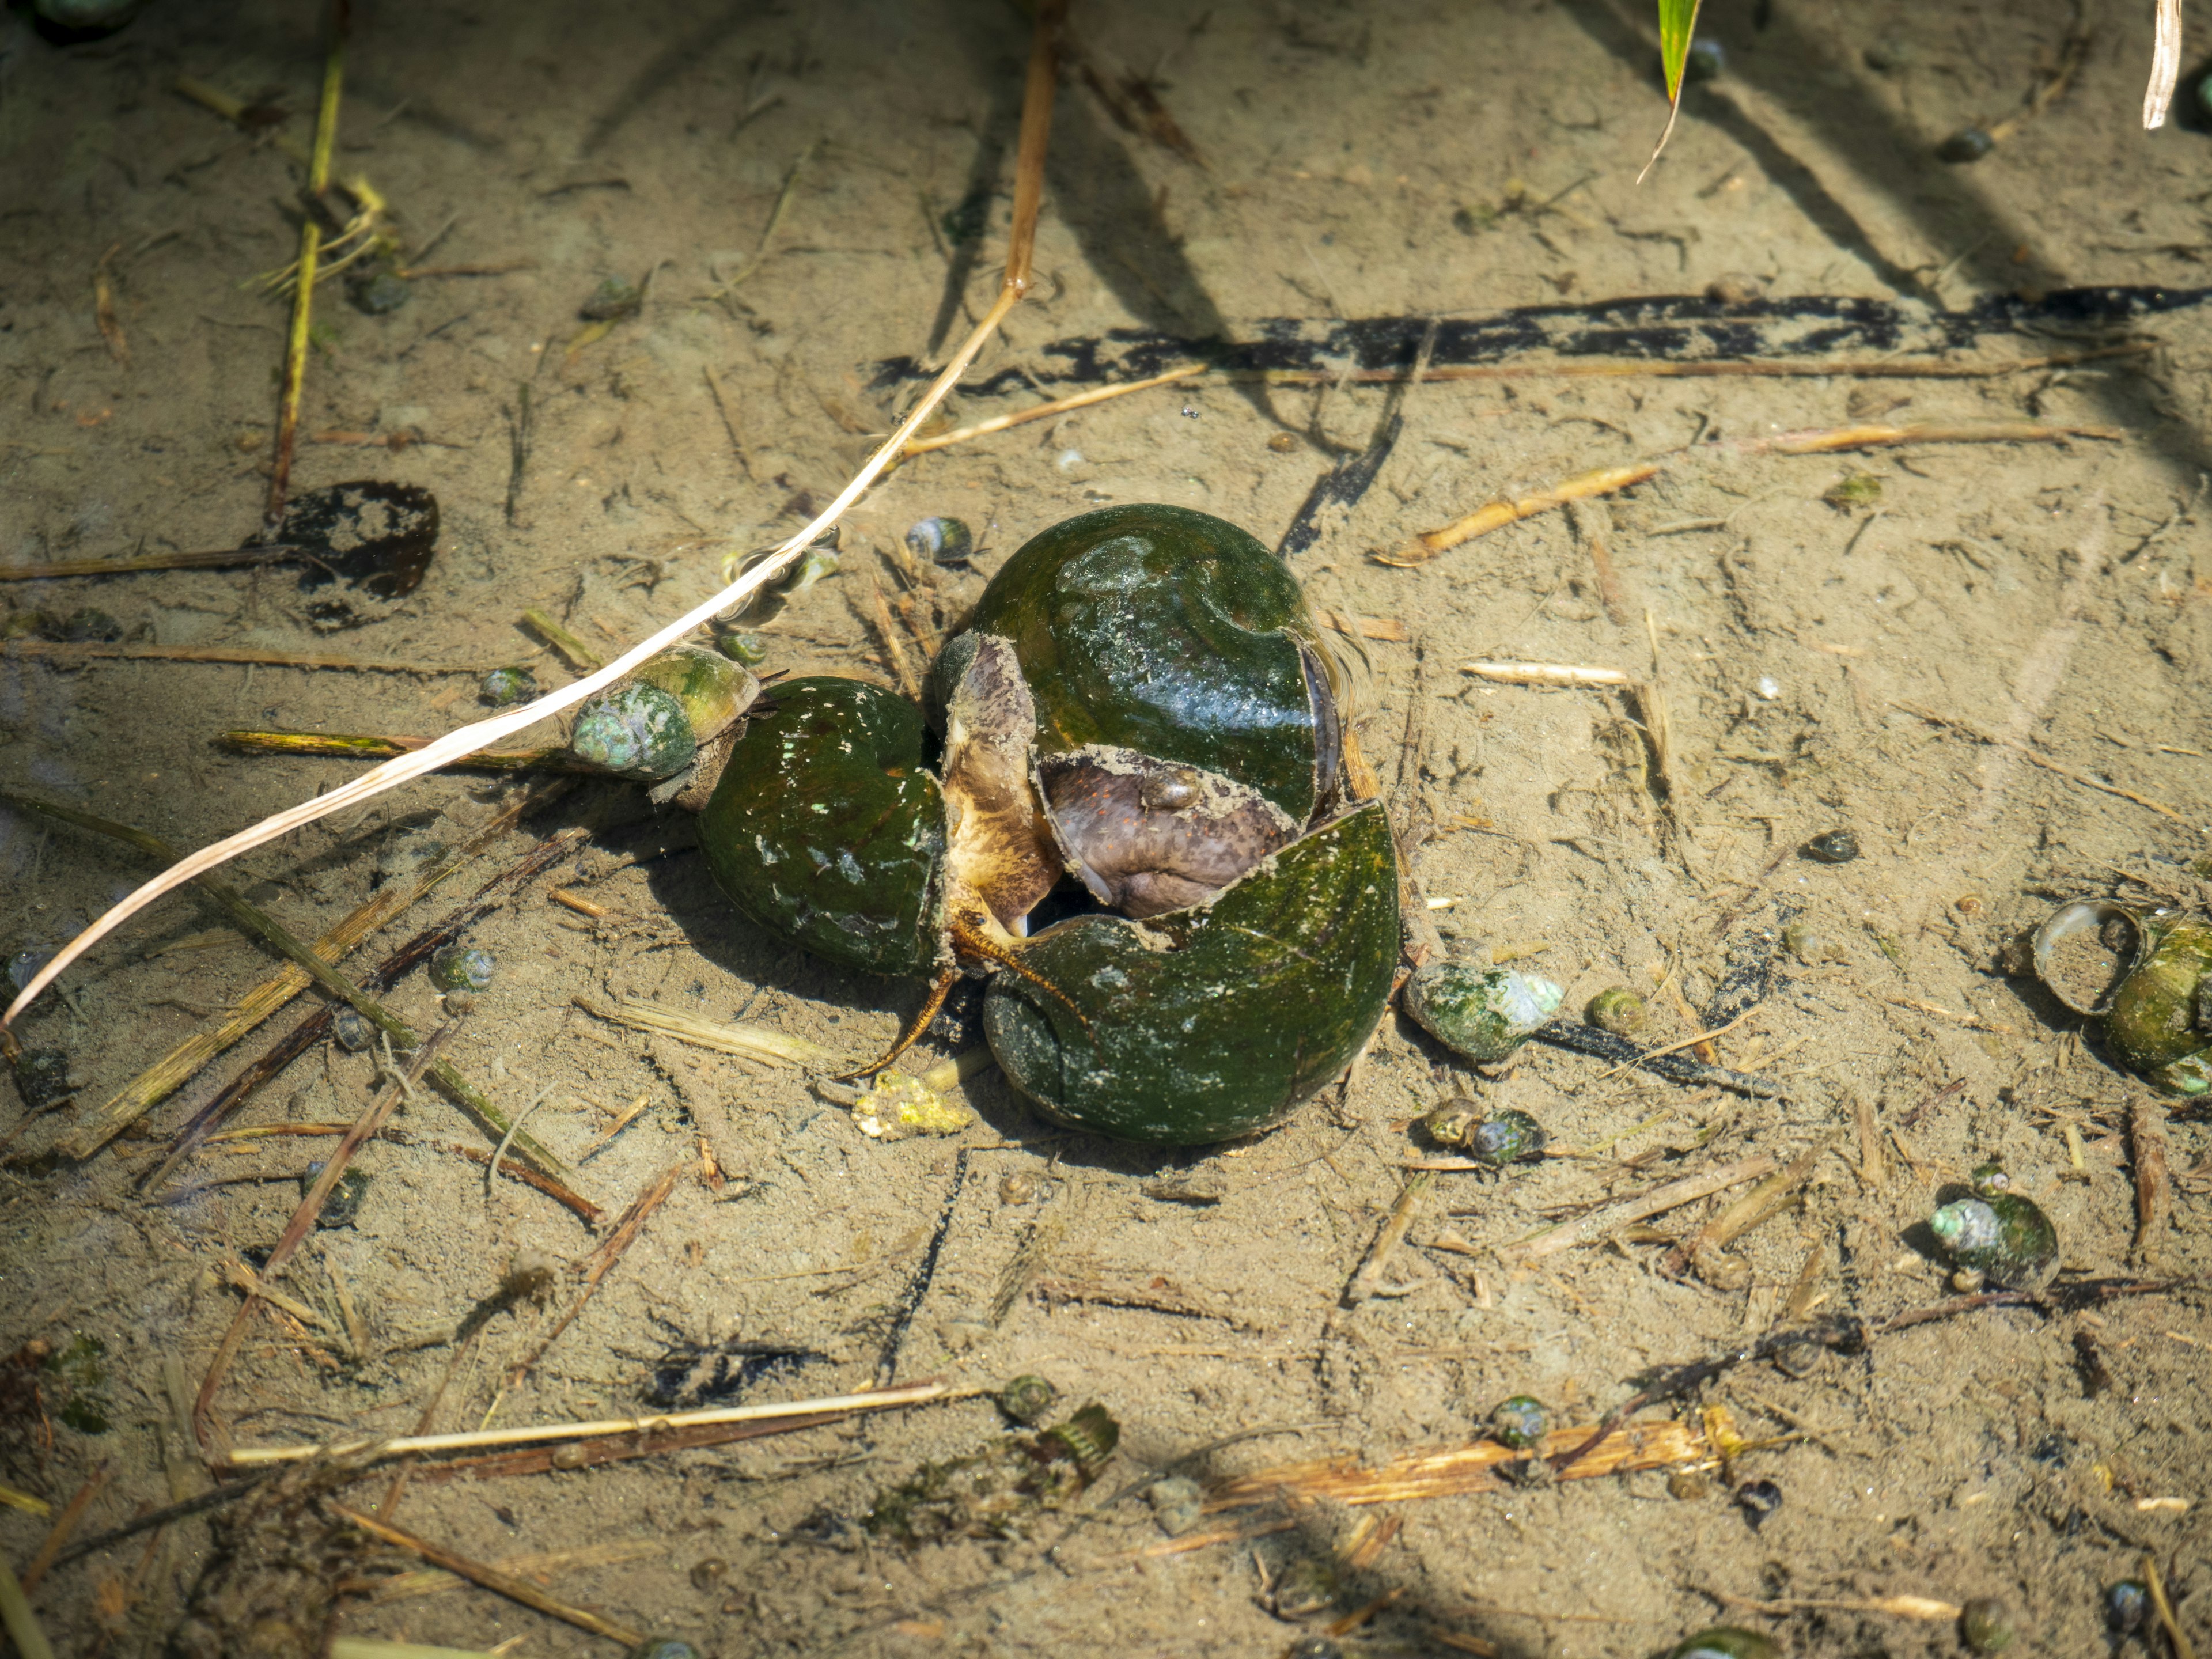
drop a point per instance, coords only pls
(1172, 633)
(826, 828)
(1211, 1037)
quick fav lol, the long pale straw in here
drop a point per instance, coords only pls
(1036, 116)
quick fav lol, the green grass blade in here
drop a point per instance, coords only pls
(1678, 22)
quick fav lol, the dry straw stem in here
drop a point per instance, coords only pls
(515, 1589)
(1902, 1607)
(2154, 1189)
(1369, 1281)
(1471, 1469)
(1028, 183)
(537, 1564)
(383, 745)
(218, 558)
(1599, 1223)
(312, 1027)
(1606, 481)
(17, 1618)
(369, 1647)
(67, 653)
(1561, 675)
(311, 247)
(1043, 411)
(174, 1068)
(2035, 757)
(303, 1221)
(1762, 1203)
(579, 655)
(602, 1261)
(2182, 1647)
(760, 1043)
(367, 1449)
(65, 1523)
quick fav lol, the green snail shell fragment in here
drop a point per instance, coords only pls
(2146, 975)
(1483, 1013)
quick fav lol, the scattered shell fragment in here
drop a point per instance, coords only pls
(896, 1106)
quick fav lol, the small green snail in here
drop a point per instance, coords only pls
(1520, 1423)
(1725, 1642)
(1482, 1013)
(2005, 1237)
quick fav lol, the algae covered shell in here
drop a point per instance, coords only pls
(1173, 633)
(713, 689)
(2006, 1236)
(1619, 1011)
(1520, 1423)
(635, 730)
(941, 541)
(1027, 1398)
(504, 687)
(1155, 1049)
(1482, 1013)
(2155, 1023)
(462, 967)
(826, 828)
(1504, 1138)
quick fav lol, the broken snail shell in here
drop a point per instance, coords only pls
(2145, 975)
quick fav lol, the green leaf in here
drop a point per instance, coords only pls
(1678, 22)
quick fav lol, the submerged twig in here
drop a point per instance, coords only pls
(174, 1068)
(1675, 1067)
(2154, 1187)
(1369, 1281)
(515, 1589)
(603, 1259)
(1658, 1200)
(303, 297)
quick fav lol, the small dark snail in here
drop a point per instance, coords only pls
(1619, 1011)
(1507, 1137)
(462, 967)
(2005, 1237)
(343, 1204)
(2127, 1606)
(941, 541)
(377, 293)
(352, 1032)
(1967, 145)
(1027, 1399)
(705, 1575)
(1705, 61)
(87, 627)
(1832, 846)
(1989, 1179)
(505, 686)
(1725, 1642)
(612, 301)
(1985, 1626)
(1482, 1013)
(42, 1079)
(1520, 1423)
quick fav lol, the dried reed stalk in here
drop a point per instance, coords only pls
(367, 1449)
(1029, 189)
(1599, 1223)
(1471, 1469)
(760, 1043)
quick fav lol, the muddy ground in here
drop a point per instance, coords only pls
(1373, 161)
